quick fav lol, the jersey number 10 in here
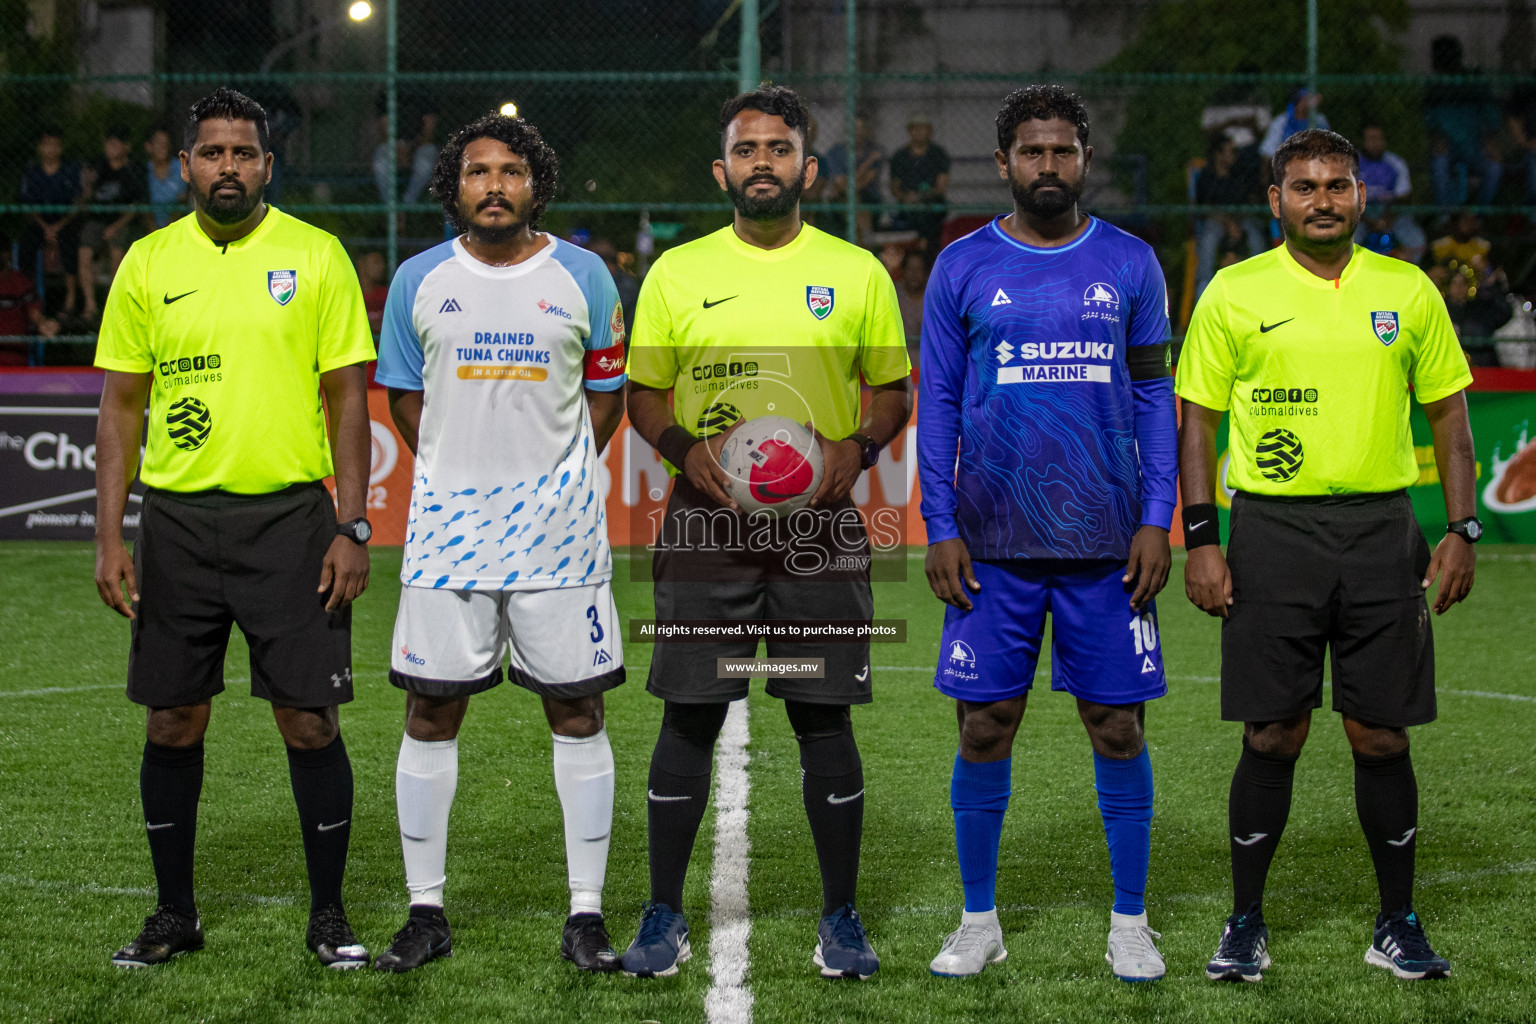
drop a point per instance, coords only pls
(1144, 633)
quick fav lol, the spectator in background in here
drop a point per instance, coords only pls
(627, 284)
(920, 174)
(1520, 117)
(1222, 182)
(1463, 122)
(1238, 114)
(20, 311)
(1463, 246)
(162, 180)
(112, 178)
(373, 279)
(910, 288)
(1297, 115)
(1477, 310)
(1386, 182)
(50, 180)
(866, 174)
(416, 151)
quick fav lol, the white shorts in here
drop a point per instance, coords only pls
(563, 642)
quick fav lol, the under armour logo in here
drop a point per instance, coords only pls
(1255, 837)
(344, 676)
(1403, 841)
(451, 306)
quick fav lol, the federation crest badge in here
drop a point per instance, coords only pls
(1384, 323)
(819, 299)
(282, 284)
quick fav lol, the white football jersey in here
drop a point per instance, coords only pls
(505, 494)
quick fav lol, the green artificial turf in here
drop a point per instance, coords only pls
(74, 866)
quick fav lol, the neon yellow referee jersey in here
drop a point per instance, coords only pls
(738, 332)
(1317, 373)
(236, 338)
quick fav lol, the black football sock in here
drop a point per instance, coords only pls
(1257, 808)
(1387, 800)
(322, 789)
(678, 792)
(832, 785)
(170, 782)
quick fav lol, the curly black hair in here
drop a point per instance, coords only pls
(521, 138)
(1310, 144)
(227, 105)
(778, 100)
(1040, 103)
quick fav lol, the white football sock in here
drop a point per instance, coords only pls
(584, 780)
(426, 776)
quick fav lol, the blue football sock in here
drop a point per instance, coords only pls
(979, 794)
(1125, 801)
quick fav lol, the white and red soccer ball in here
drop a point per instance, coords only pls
(774, 464)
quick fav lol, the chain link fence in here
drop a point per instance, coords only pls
(1182, 95)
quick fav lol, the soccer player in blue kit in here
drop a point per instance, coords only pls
(1045, 368)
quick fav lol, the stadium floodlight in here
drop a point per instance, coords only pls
(360, 11)
(509, 109)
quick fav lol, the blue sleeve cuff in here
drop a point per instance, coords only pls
(1157, 513)
(606, 384)
(399, 382)
(941, 528)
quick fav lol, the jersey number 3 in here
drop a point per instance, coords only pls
(597, 627)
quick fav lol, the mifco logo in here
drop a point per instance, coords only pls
(1285, 395)
(708, 371)
(185, 365)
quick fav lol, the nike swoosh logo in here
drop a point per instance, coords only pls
(651, 794)
(1250, 840)
(1196, 526)
(327, 828)
(151, 828)
(1263, 329)
(843, 799)
(861, 676)
(169, 298)
(728, 298)
(1403, 841)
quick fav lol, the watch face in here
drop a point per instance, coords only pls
(1474, 529)
(362, 530)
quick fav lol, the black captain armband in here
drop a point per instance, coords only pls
(1201, 527)
(674, 444)
(1149, 362)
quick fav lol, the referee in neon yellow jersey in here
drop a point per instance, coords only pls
(767, 316)
(1316, 348)
(233, 323)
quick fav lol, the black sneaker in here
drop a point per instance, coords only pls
(1244, 950)
(331, 938)
(1399, 946)
(426, 936)
(585, 943)
(167, 933)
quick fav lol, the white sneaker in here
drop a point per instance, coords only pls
(1132, 956)
(969, 949)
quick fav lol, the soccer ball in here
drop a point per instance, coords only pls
(774, 464)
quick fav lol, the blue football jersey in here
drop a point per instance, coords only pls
(1043, 432)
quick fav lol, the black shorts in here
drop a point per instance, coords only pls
(210, 560)
(1340, 572)
(818, 572)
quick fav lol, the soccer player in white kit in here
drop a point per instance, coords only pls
(503, 352)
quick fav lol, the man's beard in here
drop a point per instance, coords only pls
(1298, 236)
(1046, 204)
(775, 206)
(233, 210)
(492, 234)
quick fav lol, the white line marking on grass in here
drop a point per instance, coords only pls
(1496, 696)
(44, 691)
(729, 1000)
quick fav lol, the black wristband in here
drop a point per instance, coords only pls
(1201, 527)
(674, 444)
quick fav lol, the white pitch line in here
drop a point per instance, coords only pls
(1488, 693)
(729, 1000)
(43, 691)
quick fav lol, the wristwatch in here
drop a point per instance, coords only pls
(357, 530)
(1469, 529)
(869, 451)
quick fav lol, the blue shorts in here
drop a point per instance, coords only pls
(1101, 650)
